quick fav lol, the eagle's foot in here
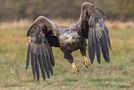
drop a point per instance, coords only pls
(86, 62)
(75, 69)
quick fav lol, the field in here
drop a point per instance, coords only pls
(117, 75)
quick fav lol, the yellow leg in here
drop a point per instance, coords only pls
(86, 62)
(75, 70)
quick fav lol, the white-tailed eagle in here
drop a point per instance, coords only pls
(45, 34)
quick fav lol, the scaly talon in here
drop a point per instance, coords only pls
(86, 62)
(75, 70)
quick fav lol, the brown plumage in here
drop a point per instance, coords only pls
(45, 34)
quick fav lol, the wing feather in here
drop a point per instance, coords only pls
(39, 48)
(41, 62)
(33, 65)
(45, 62)
(91, 47)
(98, 37)
(28, 56)
(49, 61)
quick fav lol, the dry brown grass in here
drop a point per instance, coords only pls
(15, 24)
(66, 23)
(120, 25)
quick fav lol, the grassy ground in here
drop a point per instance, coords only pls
(117, 75)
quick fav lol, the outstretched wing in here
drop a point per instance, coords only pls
(98, 36)
(39, 50)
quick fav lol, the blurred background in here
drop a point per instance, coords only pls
(67, 9)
